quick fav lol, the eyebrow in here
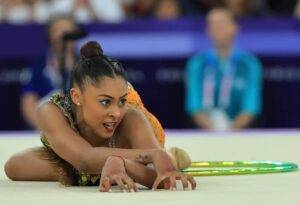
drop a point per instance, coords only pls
(108, 96)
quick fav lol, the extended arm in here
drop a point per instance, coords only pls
(73, 148)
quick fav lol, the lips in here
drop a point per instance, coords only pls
(110, 126)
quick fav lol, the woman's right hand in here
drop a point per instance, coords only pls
(114, 172)
(167, 172)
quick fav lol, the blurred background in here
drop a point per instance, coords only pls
(154, 39)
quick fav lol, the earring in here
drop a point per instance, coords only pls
(78, 103)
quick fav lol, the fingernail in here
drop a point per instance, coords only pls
(123, 190)
(131, 190)
(109, 190)
(152, 189)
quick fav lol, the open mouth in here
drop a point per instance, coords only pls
(110, 126)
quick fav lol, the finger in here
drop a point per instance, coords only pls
(192, 181)
(104, 185)
(173, 182)
(127, 183)
(130, 184)
(120, 183)
(157, 182)
(185, 183)
(135, 188)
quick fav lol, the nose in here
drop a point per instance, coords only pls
(115, 112)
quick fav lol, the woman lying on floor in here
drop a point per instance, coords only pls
(100, 133)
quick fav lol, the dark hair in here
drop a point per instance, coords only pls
(93, 65)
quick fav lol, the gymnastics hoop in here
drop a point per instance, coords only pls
(218, 168)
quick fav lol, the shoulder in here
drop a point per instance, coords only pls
(133, 116)
(195, 63)
(197, 57)
(248, 57)
(47, 109)
(50, 117)
(52, 107)
(133, 121)
(137, 129)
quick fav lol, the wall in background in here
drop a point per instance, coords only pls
(154, 54)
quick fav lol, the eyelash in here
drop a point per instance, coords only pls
(122, 102)
(106, 103)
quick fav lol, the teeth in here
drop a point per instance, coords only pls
(109, 125)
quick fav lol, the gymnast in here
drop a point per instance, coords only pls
(100, 133)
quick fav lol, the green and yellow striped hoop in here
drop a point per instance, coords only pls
(218, 168)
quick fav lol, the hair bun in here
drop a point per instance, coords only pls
(91, 49)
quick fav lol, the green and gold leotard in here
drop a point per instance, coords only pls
(68, 175)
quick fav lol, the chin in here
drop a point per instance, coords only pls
(105, 134)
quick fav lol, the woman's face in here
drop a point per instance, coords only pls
(103, 106)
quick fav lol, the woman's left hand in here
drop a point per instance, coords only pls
(168, 174)
(114, 172)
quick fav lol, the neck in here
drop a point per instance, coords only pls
(224, 50)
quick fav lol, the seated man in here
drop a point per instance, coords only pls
(223, 84)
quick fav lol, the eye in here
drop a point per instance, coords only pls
(122, 102)
(105, 103)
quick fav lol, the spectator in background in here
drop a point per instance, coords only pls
(239, 7)
(40, 12)
(15, 11)
(244, 8)
(141, 8)
(45, 75)
(86, 11)
(223, 84)
(166, 9)
(297, 10)
(24, 11)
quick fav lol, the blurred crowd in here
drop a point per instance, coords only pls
(87, 11)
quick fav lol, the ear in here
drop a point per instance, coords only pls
(76, 96)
